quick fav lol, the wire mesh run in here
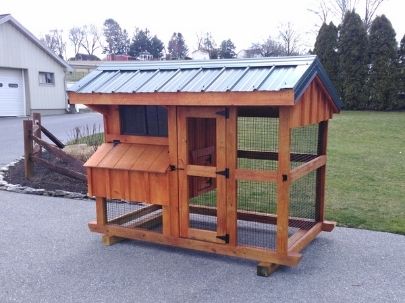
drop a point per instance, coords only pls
(302, 206)
(135, 215)
(258, 143)
(257, 204)
(203, 203)
(304, 144)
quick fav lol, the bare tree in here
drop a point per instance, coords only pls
(55, 42)
(91, 39)
(289, 39)
(322, 11)
(76, 36)
(340, 7)
(371, 7)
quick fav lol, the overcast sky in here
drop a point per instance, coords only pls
(243, 21)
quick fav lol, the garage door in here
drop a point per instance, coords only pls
(11, 92)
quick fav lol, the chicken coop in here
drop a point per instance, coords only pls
(222, 156)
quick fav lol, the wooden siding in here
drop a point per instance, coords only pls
(313, 107)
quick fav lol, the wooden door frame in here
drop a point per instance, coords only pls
(185, 170)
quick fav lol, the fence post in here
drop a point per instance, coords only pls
(36, 122)
(28, 148)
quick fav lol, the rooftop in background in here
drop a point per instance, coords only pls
(228, 75)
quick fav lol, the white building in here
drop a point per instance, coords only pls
(32, 78)
(200, 54)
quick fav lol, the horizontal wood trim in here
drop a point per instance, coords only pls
(256, 175)
(306, 238)
(204, 235)
(296, 236)
(250, 253)
(278, 98)
(252, 216)
(306, 168)
(328, 226)
(137, 139)
(201, 171)
(135, 214)
(264, 155)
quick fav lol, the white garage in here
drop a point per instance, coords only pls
(32, 78)
(12, 95)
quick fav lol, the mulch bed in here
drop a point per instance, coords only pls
(43, 178)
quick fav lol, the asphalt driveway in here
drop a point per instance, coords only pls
(48, 255)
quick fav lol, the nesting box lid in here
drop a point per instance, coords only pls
(134, 157)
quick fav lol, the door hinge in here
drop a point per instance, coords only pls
(116, 142)
(224, 113)
(224, 173)
(224, 238)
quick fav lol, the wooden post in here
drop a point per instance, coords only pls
(321, 172)
(28, 148)
(231, 187)
(283, 181)
(36, 126)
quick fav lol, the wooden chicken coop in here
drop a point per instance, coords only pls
(222, 156)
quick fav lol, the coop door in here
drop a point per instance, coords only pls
(202, 173)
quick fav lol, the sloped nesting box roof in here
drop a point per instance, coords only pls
(265, 75)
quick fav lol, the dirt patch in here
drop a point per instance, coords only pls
(44, 178)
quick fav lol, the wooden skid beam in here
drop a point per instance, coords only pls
(250, 253)
(265, 269)
(111, 240)
(306, 168)
(134, 215)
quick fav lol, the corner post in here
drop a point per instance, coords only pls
(283, 180)
(28, 148)
(321, 172)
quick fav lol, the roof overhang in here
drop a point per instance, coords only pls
(35, 40)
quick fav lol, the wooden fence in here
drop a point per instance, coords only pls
(33, 145)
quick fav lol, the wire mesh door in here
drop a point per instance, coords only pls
(202, 173)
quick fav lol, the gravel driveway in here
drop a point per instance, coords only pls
(48, 255)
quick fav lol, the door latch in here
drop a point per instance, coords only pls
(224, 173)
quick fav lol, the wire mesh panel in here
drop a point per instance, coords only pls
(203, 207)
(135, 215)
(257, 202)
(304, 144)
(257, 143)
(303, 201)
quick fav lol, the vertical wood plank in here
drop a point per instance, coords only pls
(89, 182)
(321, 172)
(221, 180)
(101, 211)
(183, 182)
(283, 180)
(173, 175)
(231, 186)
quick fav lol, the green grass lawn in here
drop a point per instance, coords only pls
(366, 171)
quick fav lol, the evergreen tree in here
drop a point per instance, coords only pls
(177, 47)
(352, 58)
(142, 41)
(383, 73)
(227, 50)
(401, 76)
(116, 38)
(326, 49)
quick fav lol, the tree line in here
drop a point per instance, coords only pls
(364, 62)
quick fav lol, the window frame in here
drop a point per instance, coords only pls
(45, 74)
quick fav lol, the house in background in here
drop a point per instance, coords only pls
(200, 54)
(32, 77)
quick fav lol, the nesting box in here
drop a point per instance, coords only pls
(223, 156)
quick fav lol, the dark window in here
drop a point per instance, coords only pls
(143, 120)
(46, 78)
(1, 84)
(13, 85)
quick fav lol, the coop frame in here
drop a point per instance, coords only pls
(171, 208)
